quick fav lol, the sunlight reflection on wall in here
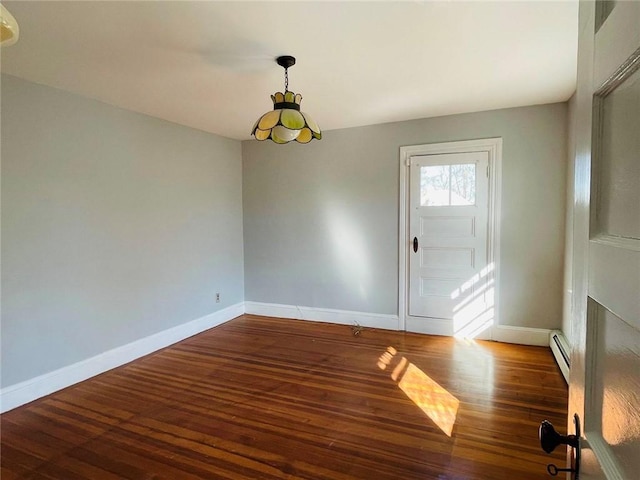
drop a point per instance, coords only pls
(348, 243)
(474, 313)
(433, 399)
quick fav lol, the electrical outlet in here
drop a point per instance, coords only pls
(217, 298)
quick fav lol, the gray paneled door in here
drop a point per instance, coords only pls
(605, 364)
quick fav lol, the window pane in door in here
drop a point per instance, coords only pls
(434, 186)
(463, 184)
(448, 185)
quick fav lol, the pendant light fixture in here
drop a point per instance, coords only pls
(286, 122)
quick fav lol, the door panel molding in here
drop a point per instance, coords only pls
(493, 146)
(615, 42)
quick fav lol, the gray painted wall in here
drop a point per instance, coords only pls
(321, 220)
(115, 226)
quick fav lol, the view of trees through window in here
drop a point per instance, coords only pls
(444, 185)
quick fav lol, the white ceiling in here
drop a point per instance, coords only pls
(210, 65)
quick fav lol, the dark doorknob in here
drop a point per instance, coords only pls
(550, 439)
(415, 244)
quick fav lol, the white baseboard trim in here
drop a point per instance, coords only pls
(24, 392)
(343, 317)
(521, 335)
(501, 333)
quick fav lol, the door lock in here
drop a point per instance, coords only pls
(415, 244)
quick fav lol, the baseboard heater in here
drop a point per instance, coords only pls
(560, 348)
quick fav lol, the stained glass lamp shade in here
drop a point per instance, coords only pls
(9, 30)
(286, 122)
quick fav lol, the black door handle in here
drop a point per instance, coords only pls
(415, 244)
(550, 439)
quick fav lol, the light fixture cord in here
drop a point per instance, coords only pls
(286, 80)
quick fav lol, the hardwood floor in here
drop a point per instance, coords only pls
(263, 398)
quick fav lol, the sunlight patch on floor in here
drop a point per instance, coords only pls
(433, 399)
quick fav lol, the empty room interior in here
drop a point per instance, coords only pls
(320, 240)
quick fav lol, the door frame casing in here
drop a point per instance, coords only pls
(493, 146)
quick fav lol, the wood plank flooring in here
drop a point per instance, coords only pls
(264, 398)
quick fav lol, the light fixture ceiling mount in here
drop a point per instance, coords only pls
(286, 61)
(286, 122)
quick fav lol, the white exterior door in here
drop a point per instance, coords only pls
(448, 217)
(604, 385)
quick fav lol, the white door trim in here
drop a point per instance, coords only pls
(493, 146)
